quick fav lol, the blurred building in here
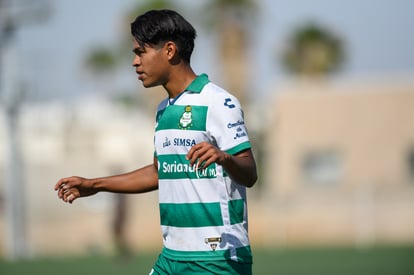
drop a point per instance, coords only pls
(340, 165)
(89, 138)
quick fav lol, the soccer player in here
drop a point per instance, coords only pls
(202, 161)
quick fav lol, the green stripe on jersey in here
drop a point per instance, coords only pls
(170, 118)
(191, 214)
(236, 211)
(177, 167)
(243, 254)
(241, 147)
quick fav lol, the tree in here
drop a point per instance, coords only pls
(101, 60)
(103, 63)
(313, 51)
(147, 5)
(229, 18)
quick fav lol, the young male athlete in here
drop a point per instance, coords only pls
(202, 162)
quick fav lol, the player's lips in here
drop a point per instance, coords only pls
(140, 75)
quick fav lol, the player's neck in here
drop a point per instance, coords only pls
(180, 78)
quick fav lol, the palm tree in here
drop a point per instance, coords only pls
(103, 62)
(147, 5)
(313, 51)
(106, 59)
(230, 19)
(100, 60)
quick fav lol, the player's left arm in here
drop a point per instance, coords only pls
(241, 167)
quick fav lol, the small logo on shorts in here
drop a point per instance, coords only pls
(213, 242)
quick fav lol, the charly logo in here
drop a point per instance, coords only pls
(227, 101)
(186, 118)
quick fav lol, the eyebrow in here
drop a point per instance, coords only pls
(138, 50)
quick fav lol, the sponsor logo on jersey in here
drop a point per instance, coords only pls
(186, 142)
(240, 132)
(180, 170)
(240, 135)
(179, 142)
(235, 124)
(239, 127)
(166, 143)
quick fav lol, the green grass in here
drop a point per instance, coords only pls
(324, 261)
(318, 261)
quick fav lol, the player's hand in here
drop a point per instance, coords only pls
(203, 154)
(69, 189)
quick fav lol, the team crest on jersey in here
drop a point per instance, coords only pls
(186, 118)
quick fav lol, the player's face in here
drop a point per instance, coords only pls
(151, 64)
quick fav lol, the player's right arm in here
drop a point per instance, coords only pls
(141, 180)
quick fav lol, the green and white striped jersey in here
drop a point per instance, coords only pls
(203, 212)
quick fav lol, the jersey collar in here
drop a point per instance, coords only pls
(195, 87)
(198, 83)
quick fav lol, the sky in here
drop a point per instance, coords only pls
(378, 36)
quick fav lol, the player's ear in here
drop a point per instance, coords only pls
(171, 50)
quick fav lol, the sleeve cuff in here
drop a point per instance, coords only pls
(241, 147)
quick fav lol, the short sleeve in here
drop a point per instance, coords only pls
(226, 125)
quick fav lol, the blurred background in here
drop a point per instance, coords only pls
(328, 93)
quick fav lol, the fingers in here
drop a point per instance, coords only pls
(196, 153)
(70, 198)
(65, 189)
(191, 152)
(203, 154)
(61, 182)
(69, 194)
(193, 155)
(62, 189)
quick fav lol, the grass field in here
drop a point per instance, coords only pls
(321, 261)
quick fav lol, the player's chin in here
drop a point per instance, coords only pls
(148, 83)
